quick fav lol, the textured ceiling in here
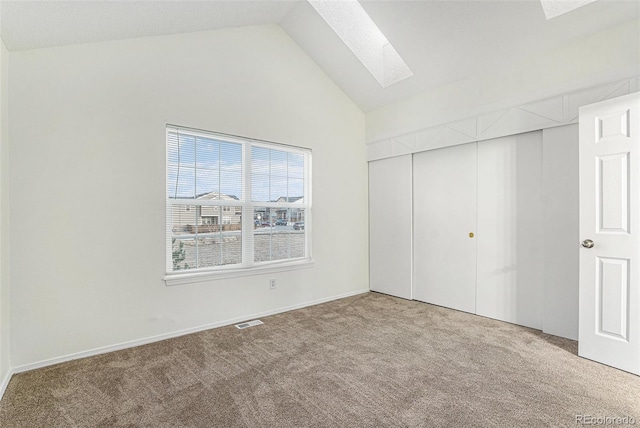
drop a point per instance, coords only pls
(441, 41)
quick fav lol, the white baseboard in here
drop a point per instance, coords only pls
(5, 382)
(147, 340)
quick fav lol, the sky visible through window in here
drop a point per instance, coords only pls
(199, 166)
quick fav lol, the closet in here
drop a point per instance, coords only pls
(390, 237)
(510, 221)
(477, 226)
(477, 221)
(477, 232)
(444, 210)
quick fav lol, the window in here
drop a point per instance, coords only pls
(235, 203)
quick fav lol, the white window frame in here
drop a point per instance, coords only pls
(248, 266)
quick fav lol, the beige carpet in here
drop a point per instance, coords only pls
(366, 361)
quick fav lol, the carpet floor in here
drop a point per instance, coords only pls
(366, 361)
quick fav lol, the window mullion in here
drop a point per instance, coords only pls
(220, 209)
(195, 195)
(247, 208)
(306, 174)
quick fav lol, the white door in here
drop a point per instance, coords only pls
(510, 251)
(444, 216)
(609, 317)
(390, 226)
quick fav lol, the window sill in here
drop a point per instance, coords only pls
(188, 278)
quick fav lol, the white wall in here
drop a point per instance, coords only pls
(561, 233)
(5, 362)
(87, 135)
(602, 57)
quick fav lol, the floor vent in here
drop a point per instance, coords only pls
(248, 324)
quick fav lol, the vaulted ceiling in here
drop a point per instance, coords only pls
(441, 41)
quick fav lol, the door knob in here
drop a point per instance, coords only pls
(587, 243)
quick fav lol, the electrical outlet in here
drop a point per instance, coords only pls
(272, 284)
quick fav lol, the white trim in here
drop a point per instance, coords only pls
(5, 382)
(236, 271)
(160, 337)
(542, 113)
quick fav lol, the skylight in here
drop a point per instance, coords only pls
(358, 31)
(554, 8)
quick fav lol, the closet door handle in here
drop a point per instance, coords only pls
(588, 243)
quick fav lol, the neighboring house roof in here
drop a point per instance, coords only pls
(299, 199)
(216, 195)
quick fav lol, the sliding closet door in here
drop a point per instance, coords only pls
(390, 226)
(444, 204)
(510, 238)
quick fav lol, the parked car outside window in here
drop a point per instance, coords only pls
(298, 225)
